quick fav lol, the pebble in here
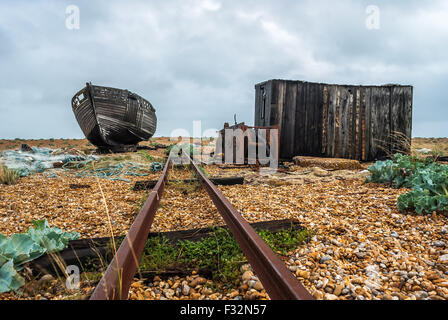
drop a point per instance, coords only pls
(197, 281)
(293, 268)
(169, 293)
(185, 289)
(303, 273)
(207, 291)
(361, 255)
(195, 295)
(338, 289)
(329, 296)
(345, 291)
(234, 293)
(258, 286)
(445, 230)
(335, 242)
(245, 267)
(247, 275)
(439, 244)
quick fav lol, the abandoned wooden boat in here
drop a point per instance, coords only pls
(113, 119)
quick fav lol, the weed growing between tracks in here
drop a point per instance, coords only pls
(219, 253)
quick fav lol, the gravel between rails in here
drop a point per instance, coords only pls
(183, 206)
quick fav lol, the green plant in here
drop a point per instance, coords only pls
(24, 247)
(427, 179)
(92, 276)
(140, 203)
(8, 176)
(169, 148)
(398, 170)
(146, 156)
(285, 240)
(178, 148)
(203, 171)
(185, 187)
(121, 158)
(218, 252)
(159, 254)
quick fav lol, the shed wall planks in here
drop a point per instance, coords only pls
(355, 122)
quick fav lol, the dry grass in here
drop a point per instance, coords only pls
(8, 176)
(397, 142)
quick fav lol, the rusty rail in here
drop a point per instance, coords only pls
(276, 278)
(116, 281)
(278, 281)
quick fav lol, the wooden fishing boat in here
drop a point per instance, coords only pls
(113, 119)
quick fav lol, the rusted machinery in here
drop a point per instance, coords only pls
(248, 144)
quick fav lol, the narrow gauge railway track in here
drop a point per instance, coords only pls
(278, 281)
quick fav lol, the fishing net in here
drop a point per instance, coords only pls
(106, 169)
(32, 160)
(156, 167)
(35, 159)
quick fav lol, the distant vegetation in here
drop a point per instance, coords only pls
(178, 148)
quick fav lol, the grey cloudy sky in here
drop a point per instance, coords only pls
(200, 59)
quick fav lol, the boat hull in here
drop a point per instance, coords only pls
(111, 117)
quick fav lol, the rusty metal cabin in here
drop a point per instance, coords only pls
(250, 137)
(339, 121)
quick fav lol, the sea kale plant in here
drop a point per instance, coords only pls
(427, 179)
(21, 248)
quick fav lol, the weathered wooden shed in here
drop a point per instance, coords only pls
(338, 121)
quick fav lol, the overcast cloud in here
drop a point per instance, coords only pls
(200, 59)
